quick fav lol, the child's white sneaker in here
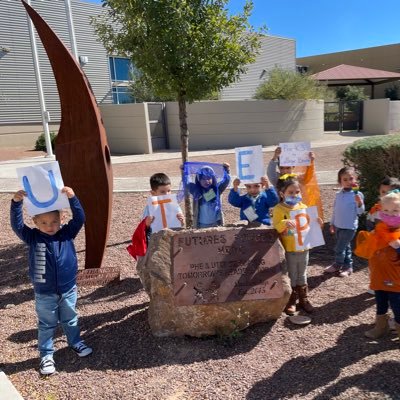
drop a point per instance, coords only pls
(47, 365)
(82, 349)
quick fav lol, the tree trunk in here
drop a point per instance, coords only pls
(185, 157)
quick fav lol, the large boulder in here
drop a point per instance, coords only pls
(213, 281)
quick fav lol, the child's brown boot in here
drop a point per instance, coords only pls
(380, 329)
(304, 303)
(290, 308)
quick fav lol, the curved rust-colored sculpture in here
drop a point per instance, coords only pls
(81, 146)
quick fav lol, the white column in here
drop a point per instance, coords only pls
(71, 28)
(45, 113)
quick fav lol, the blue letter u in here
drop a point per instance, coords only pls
(31, 196)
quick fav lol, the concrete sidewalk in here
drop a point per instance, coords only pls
(9, 182)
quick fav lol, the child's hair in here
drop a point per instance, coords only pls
(393, 195)
(345, 170)
(394, 183)
(206, 172)
(59, 212)
(284, 182)
(159, 179)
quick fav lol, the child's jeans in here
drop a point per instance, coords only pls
(296, 265)
(343, 252)
(383, 299)
(51, 309)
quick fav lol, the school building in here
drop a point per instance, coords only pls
(108, 74)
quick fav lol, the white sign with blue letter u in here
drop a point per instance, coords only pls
(42, 184)
(249, 164)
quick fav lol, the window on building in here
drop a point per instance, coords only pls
(121, 73)
(121, 95)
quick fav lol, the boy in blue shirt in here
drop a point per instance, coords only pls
(52, 268)
(256, 204)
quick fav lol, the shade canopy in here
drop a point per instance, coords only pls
(343, 75)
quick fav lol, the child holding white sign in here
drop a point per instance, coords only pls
(306, 176)
(53, 269)
(288, 188)
(256, 204)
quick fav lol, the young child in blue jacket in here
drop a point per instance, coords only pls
(256, 203)
(52, 268)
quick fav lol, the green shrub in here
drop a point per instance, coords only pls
(41, 142)
(393, 92)
(374, 158)
(289, 85)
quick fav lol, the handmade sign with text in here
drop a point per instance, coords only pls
(223, 266)
(42, 184)
(164, 209)
(294, 154)
(249, 164)
(308, 233)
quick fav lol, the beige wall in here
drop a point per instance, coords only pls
(23, 135)
(127, 127)
(394, 115)
(376, 116)
(228, 124)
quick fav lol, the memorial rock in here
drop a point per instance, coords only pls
(213, 281)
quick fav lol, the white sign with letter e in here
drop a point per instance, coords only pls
(42, 184)
(164, 210)
(308, 233)
(294, 153)
(249, 164)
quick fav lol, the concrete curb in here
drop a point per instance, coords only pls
(7, 389)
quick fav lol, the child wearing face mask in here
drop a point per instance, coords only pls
(288, 188)
(386, 185)
(382, 249)
(348, 205)
(256, 203)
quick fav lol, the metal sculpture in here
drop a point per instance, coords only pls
(81, 144)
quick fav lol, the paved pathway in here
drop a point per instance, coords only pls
(9, 182)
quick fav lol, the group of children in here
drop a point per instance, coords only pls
(53, 262)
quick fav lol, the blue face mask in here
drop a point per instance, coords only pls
(292, 200)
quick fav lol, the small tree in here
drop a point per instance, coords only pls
(392, 92)
(290, 85)
(184, 48)
(350, 93)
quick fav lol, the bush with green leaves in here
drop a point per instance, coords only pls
(41, 142)
(286, 84)
(374, 158)
(392, 92)
(350, 93)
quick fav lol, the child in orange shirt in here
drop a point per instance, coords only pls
(387, 184)
(382, 248)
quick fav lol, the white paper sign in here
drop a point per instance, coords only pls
(164, 210)
(308, 233)
(43, 184)
(295, 153)
(249, 164)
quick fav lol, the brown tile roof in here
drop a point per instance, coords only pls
(345, 72)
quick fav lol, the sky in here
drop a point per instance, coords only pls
(325, 26)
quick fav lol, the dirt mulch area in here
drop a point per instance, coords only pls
(326, 159)
(328, 359)
(17, 153)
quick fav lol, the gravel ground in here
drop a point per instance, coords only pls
(328, 359)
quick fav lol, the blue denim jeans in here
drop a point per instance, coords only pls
(383, 299)
(52, 309)
(343, 251)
